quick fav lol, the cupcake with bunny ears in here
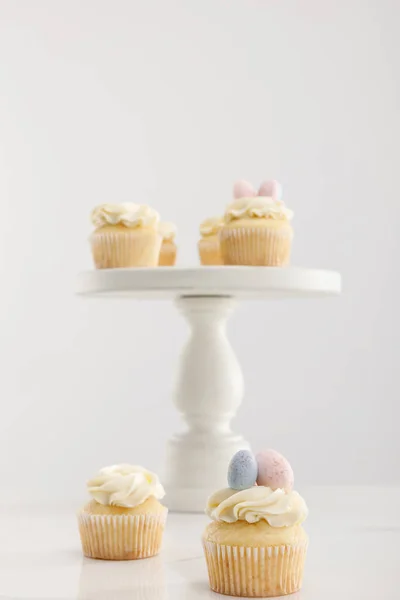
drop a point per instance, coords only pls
(255, 545)
(257, 229)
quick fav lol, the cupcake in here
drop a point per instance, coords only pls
(124, 520)
(168, 250)
(209, 250)
(126, 235)
(256, 228)
(255, 545)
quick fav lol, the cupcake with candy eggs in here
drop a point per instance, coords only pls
(125, 235)
(124, 520)
(168, 249)
(257, 229)
(255, 545)
(209, 248)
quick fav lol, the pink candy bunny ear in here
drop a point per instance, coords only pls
(243, 189)
(271, 188)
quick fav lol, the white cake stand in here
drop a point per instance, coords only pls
(209, 384)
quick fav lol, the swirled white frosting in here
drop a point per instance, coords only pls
(167, 230)
(277, 507)
(125, 485)
(257, 207)
(211, 226)
(126, 213)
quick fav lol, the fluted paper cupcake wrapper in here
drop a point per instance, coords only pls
(255, 572)
(258, 246)
(209, 252)
(121, 537)
(136, 248)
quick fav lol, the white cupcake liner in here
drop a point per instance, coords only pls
(255, 572)
(130, 248)
(121, 537)
(261, 246)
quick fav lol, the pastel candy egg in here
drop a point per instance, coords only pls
(274, 470)
(243, 189)
(242, 470)
(272, 189)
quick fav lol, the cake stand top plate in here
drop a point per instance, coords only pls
(162, 283)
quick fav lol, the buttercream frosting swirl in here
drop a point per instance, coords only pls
(167, 230)
(257, 207)
(125, 485)
(277, 507)
(211, 226)
(128, 214)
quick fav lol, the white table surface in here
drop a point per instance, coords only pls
(354, 553)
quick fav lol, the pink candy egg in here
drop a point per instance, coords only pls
(274, 470)
(243, 189)
(271, 189)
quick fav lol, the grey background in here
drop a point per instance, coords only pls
(168, 103)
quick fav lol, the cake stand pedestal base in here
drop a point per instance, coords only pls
(208, 392)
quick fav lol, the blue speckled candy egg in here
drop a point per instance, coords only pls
(242, 470)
